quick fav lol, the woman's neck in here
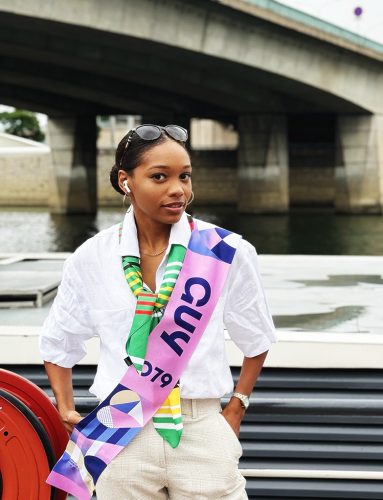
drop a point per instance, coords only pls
(152, 236)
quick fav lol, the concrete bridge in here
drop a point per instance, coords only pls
(305, 96)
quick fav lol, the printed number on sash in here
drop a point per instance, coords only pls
(166, 378)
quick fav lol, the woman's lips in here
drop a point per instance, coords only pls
(174, 207)
(177, 204)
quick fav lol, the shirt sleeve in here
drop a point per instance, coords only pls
(68, 324)
(247, 314)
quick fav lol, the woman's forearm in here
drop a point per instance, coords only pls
(60, 379)
(251, 368)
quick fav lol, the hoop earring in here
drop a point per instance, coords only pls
(123, 203)
(191, 199)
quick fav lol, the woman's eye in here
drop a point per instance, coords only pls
(186, 176)
(158, 177)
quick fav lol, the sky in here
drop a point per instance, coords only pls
(341, 13)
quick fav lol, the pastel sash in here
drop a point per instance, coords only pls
(102, 434)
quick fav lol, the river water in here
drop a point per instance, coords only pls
(299, 232)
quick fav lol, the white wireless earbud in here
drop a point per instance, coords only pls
(125, 184)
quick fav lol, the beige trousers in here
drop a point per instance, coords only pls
(204, 466)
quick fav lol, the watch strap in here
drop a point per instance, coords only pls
(245, 402)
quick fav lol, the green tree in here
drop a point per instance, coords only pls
(23, 124)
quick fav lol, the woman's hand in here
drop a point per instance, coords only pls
(233, 413)
(70, 418)
(251, 368)
(60, 379)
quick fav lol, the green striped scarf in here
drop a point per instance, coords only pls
(149, 310)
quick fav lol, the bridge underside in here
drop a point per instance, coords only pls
(74, 73)
(56, 67)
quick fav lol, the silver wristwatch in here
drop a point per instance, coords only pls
(243, 398)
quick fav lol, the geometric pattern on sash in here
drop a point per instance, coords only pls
(217, 244)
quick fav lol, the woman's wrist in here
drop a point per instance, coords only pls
(67, 415)
(65, 408)
(70, 418)
(235, 406)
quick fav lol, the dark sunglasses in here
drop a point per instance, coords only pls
(150, 132)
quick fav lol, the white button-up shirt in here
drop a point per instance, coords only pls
(94, 299)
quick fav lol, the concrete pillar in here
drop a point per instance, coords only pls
(359, 164)
(74, 157)
(263, 164)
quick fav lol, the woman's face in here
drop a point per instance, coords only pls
(161, 184)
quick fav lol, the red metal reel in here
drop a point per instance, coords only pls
(40, 404)
(23, 462)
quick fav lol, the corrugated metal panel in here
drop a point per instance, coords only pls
(280, 489)
(299, 419)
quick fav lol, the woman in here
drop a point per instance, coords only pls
(190, 448)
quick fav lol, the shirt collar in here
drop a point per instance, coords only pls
(179, 235)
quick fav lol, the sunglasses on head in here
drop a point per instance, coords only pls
(152, 132)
